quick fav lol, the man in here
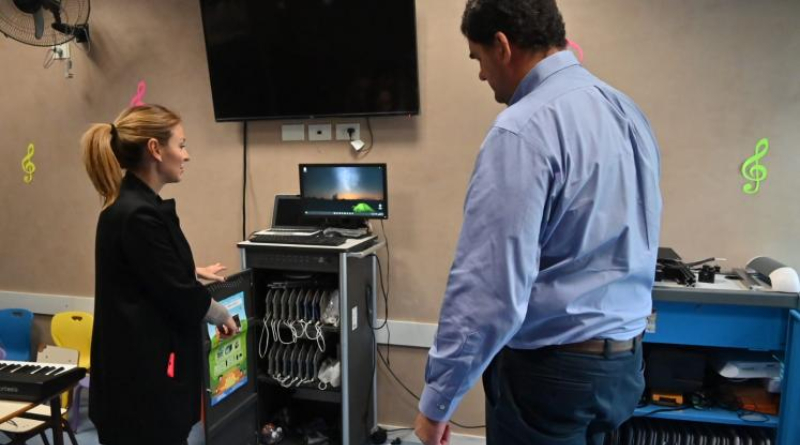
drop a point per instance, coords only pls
(550, 287)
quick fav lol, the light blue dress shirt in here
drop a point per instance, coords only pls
(560, 232)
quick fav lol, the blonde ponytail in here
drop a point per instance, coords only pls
(109, 148)
(101, 163)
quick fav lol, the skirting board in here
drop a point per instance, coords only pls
(45, 304)
(408, 437)
(404, 333)
(407, 333)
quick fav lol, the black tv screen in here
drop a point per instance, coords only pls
(279, 59)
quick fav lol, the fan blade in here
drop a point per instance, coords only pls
(38, 21)
(53, 6)
(28, 6)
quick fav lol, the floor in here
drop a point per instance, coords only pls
(87, 434)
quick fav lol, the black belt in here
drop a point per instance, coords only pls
(600, 346)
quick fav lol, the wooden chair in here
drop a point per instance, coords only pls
(20, 429)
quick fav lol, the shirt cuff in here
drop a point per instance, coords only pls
(217, 313)
(435, 406)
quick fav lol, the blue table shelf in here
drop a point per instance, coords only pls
(710, 415)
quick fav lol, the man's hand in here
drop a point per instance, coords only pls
(211, 272)
(431, 432)
(228, 329)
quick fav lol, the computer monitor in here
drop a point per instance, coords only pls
(343, 192)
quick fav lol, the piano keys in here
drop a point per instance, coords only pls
(36, 381)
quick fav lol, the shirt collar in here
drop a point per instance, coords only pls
(544, 69)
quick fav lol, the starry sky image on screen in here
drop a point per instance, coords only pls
(350, 183)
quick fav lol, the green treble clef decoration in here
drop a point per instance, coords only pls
(27, 166)
(752, 170)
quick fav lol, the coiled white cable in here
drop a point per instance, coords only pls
(320, 337)
(263, 346)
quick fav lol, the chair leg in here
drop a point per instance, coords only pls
(70, 432)
(74, 407)
(74, 414)
(44, 438)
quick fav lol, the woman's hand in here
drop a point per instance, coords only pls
(211, 272)
(228, 329)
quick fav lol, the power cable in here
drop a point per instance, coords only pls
(385, 291)
(244, 180)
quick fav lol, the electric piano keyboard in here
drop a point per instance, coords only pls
(36, 381)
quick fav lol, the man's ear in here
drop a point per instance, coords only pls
(502, 47)
(154, 148)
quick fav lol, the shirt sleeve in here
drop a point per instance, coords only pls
(217, 313)
(496, 263)
(163, 275)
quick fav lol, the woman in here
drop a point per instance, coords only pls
(149, 306)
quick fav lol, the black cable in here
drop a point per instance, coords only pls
(365, 151)
(244, 180)
(388, 258)
(371, 136)
(664, 410)
(415, 396)
(385, 291)
(374, 360)
(385, 310)
(370, 314)
(385, 298)
(389, 368)
(370, 310)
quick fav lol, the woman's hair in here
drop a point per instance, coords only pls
(109, 148)
(530, 24)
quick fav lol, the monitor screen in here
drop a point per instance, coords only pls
(343, 191)
(278, 59)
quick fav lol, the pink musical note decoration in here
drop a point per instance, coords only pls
(136, 100)
(577, 48)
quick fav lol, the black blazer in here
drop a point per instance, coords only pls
(148, 306)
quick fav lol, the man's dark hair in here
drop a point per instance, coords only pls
(530, 24)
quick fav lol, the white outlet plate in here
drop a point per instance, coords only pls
(293, 132)
(319, 132)
(61, 52)
(341, 131)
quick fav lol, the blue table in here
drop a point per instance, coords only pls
(727, 316)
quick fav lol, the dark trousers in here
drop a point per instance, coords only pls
(553, 397)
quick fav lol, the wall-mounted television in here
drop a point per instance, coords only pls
(290, 59)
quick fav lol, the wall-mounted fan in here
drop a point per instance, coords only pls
(45, 22)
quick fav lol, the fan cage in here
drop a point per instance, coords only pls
(20, 26)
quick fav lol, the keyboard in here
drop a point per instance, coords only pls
(36, 381)
(309, 240)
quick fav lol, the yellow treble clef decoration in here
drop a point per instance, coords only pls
(27, 166)
(752, 170)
